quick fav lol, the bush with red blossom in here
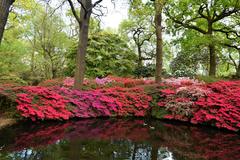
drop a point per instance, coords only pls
(216, 104)
(59, 103)
(97, 83)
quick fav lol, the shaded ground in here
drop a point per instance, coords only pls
(4, 122)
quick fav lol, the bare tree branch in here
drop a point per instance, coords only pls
(96, 3)
(74, 12)
(62, 3)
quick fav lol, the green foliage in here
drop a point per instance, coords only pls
(145, 71)
(107, 53)
(197, 24)
(34, 43)
(208, 79)
(12, 57)
(49, 43)
(12, 79)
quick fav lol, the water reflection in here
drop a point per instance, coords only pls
(116, 139)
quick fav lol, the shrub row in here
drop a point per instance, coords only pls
(216, 104)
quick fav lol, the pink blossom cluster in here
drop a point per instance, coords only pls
(68, 82)
(103, 81)
(182, 81)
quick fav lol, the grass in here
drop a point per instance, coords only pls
(209, 79)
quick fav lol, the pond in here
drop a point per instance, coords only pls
(117, 139)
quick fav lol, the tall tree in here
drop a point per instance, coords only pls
(159, 4)
(139, 29)
(83, 21)
(204, 17)
(4, 12)
(48, 41)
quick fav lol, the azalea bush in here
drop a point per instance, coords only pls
(216, 104)
(62, 103)
(182, 81)
(97, 83)
(52, 82)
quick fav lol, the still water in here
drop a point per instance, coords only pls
(117, 139)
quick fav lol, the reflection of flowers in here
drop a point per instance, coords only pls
(170, 140)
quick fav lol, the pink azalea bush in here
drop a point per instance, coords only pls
(182, 81)
(103, 81)
(68, 82)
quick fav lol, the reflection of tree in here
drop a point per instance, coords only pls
(117, 140)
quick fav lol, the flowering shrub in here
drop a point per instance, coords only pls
(68, 82)
(103, 81)
(182, 81)
(98, 83)
(193, 91)
(64, 103)
(41, 103)
(107, 102)
(221, 107)
(216, 104)
(52, 82)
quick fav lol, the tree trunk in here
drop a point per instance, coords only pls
(238, 72)
(212, 54)
(139, 57)
(82, 44)
(213, 63)
(238, 67)
(4, 12)
(159, 48)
